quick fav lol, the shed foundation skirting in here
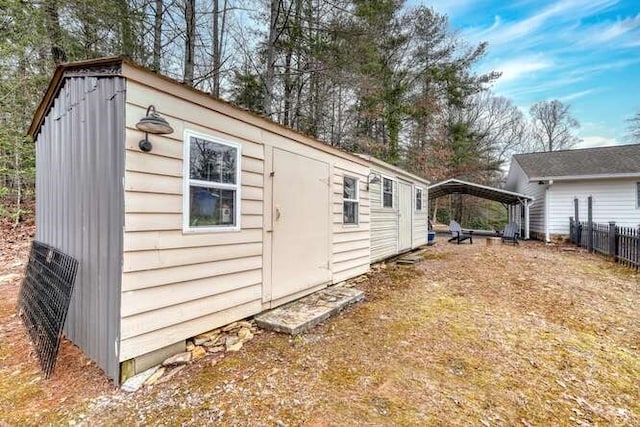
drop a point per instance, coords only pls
(141, 363)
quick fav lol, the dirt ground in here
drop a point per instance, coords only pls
(501, 335)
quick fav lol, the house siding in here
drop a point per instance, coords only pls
(613, 200)
(79, 205)
(519, 183)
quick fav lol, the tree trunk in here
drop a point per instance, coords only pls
(271, 57)
(54, 32)
(157, 36)
(190, 40)
(292, 47)
(127, 38)
(215, 50)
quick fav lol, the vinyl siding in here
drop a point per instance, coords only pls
(613, 200)
(420, 219)
(519, 182)
(351, 246)
(174, 284)
(79, 203)
(385, 221)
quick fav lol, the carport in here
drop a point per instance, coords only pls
(517, 204)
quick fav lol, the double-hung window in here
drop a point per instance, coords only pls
(387, 193)
(211, 199)
(418, 199)
(350, 204)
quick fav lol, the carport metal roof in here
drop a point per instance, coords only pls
(456, 186)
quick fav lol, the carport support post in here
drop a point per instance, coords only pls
(590, 224)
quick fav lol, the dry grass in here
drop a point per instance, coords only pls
(472, 335)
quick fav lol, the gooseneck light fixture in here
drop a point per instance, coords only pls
(152, 123)
(373, 178)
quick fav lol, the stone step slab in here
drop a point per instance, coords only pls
(303, 314)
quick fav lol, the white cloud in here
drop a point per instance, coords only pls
(597, 141)
(577, 95)
(535, 28)
(516, 68)
(609, 31)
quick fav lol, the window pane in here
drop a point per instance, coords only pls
(211, 207)
(350, 212)
(418, 200)
(387, 185)
(388, 200)
(211, 161)
(350, 191)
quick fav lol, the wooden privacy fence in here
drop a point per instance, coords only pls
(621, 244)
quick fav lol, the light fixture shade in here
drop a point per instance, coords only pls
(154, 123)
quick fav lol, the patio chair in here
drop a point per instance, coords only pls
(510, 233)
(457, 235)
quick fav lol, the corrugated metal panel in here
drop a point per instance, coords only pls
(79, 205)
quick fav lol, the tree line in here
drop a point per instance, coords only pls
(373, 77)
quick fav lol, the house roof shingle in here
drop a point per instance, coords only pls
(587, 162)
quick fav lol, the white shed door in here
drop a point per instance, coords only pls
(405, 210)
(300, 254)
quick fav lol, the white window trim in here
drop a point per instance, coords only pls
(393, 192)
(356, 200)
(186, 182)
(421, 199)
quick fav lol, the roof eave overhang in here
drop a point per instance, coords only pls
(55, 83)
(478, 190)
(584, 177)
(399, 171)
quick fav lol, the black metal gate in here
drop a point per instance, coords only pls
(44, 300)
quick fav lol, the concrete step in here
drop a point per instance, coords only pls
(303, 314)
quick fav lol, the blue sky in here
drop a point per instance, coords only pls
(582, 52)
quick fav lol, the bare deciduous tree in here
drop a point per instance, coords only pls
(552, 126)
(190, 40)
(634, 128)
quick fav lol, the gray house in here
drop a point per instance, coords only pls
(610, 175)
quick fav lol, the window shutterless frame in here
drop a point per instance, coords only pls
(354, 201)
(419, 199)
(187, 182)
(382, 191)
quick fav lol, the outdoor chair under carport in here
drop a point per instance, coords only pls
(457, 235)
(510, 233)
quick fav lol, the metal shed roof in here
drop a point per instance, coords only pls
(453, 186)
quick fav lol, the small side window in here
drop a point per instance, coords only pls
(418, 199)
(350, 204)
(211, 183)
(387, 193)
(638, 195)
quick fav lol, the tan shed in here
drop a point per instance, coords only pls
(399, 214)
(225, 216)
